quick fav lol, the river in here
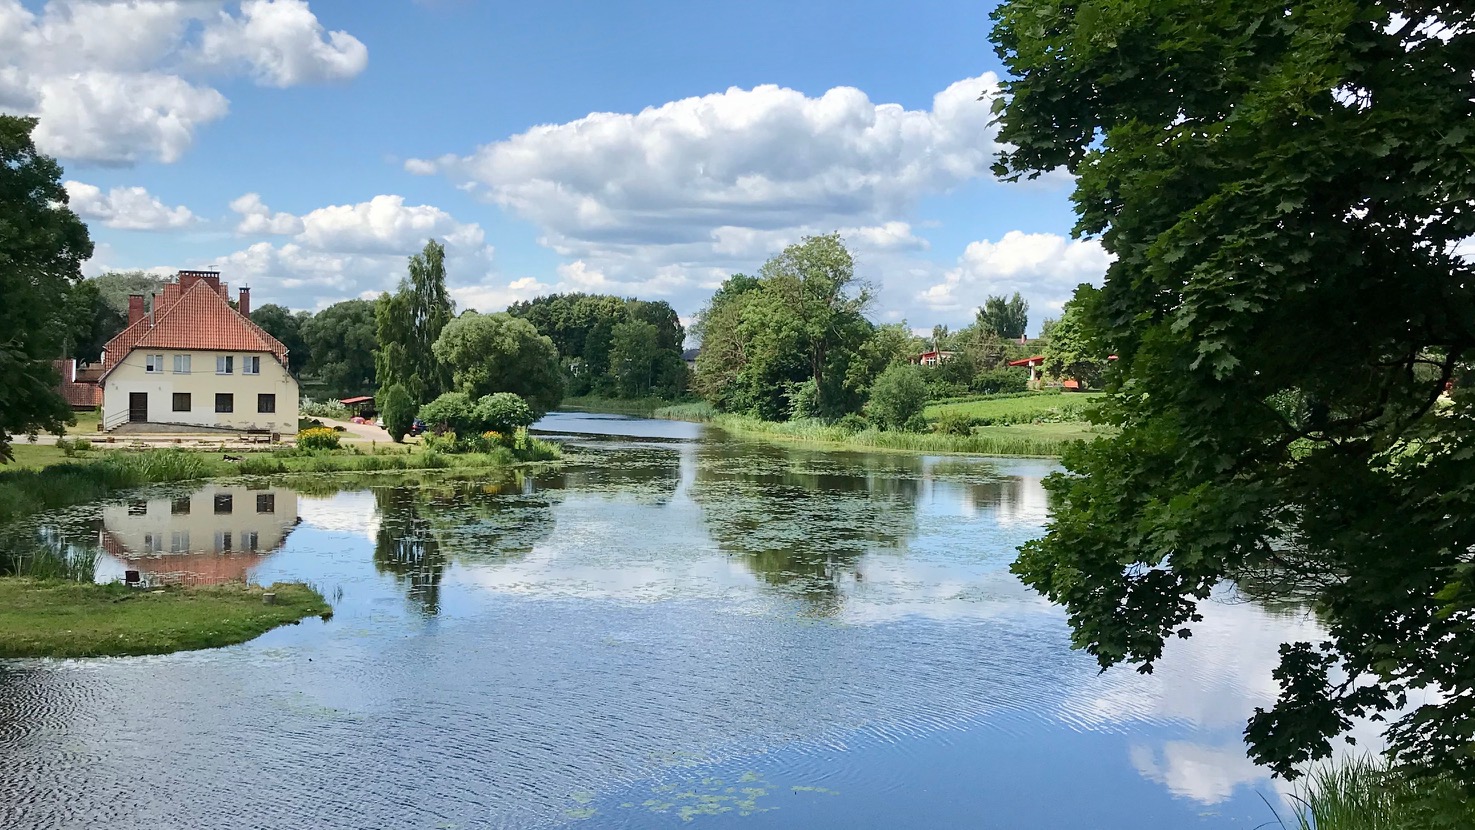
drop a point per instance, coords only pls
(674, 628)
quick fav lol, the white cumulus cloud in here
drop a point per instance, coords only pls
(115, 82)
(257, 218)
(1044, 267)
(126, 208)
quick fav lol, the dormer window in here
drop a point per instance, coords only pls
(154, 363)
(225, 364)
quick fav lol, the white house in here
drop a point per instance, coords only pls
(193, 361)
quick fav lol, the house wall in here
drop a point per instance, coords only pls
(202, 384)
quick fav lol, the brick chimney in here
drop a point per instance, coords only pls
(244, 306)
(135, 308)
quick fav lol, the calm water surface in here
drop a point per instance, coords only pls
(673, 629)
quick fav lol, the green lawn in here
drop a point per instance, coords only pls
(1021, 409)
(48, 618)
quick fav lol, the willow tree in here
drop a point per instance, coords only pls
(407, 324)
(1284, 187)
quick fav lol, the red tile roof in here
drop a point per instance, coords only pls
(81, 392)
(192, 314)
(1037, 360)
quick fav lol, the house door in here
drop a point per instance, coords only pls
(138, 406)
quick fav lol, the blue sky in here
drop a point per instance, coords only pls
(645, 149)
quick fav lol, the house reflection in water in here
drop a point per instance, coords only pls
(213, 535)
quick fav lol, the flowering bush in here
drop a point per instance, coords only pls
(318, 438)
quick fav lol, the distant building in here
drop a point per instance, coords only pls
(932, 358)
(690, 357)
(78, 387)
(1036, 367)
(194, 361)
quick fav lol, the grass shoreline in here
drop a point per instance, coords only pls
(1016, 440)
(57, 618)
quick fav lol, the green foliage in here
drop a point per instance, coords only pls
(584, 329)
(397, 410)
(1282, 187)
(1031, 408)
(324, 409)
(72, 448)
(408, 323)
(318, 438)
(1004, 318)
(503, 412)
(487, 353)
(1002, 380)
(801, 319)
(1072, 352)
(451, 412)
(953, 422)
(340, 343)
(1368, 794)
(897, 397)
(42, 247)
(279, 322)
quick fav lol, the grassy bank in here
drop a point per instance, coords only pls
(1365, 794)
(1045, 440)
(53, 618)
(43, 478)
(1011, 410)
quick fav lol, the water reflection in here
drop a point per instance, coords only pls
(666, 616)
(215, 534)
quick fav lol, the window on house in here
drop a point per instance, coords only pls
(249, 540)
(154, 363)
(225, 402)
(250, 365)
(152, 543)
(138, 507)
(179, 542)
(223, 541)
(224, 504)
(180, 506)
(181, 401)
(225, 364)
(181, 364)
(266, 502)
(266, 403)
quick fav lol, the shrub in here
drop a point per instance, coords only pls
(502, 412)
(398, 411)
(852, 423)
(451, 412)
(1002, 380)
(324, 409)
(953, 422)
(803, 400)
(898, 394)
(318, 438)
(71, 448)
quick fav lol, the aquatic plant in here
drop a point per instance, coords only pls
(1370, 794)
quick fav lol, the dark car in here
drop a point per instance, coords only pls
(417, 427)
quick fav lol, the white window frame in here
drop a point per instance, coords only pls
(153, 364)
(181, 364)
(250, 364)
(225, 364)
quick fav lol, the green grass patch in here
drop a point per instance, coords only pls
(1045, 440)
(699, 411)
(52, 618)
(1367, 794)
(1004, 410)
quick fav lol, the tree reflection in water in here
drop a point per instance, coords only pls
(427, 525)
(800, 519)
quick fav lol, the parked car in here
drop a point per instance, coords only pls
(379, 422)
(417, 427)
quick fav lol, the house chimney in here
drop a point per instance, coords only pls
(244, 306)
(135, 308)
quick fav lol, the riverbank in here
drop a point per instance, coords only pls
(1042, 440)
(55, 618)
(44, 478)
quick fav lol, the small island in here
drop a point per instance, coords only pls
(54, 618)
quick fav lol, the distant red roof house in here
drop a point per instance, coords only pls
(932, 358)
(78, 387)
(191, 313)
(1037, 360)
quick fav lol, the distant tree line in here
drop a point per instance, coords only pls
(617, 347)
